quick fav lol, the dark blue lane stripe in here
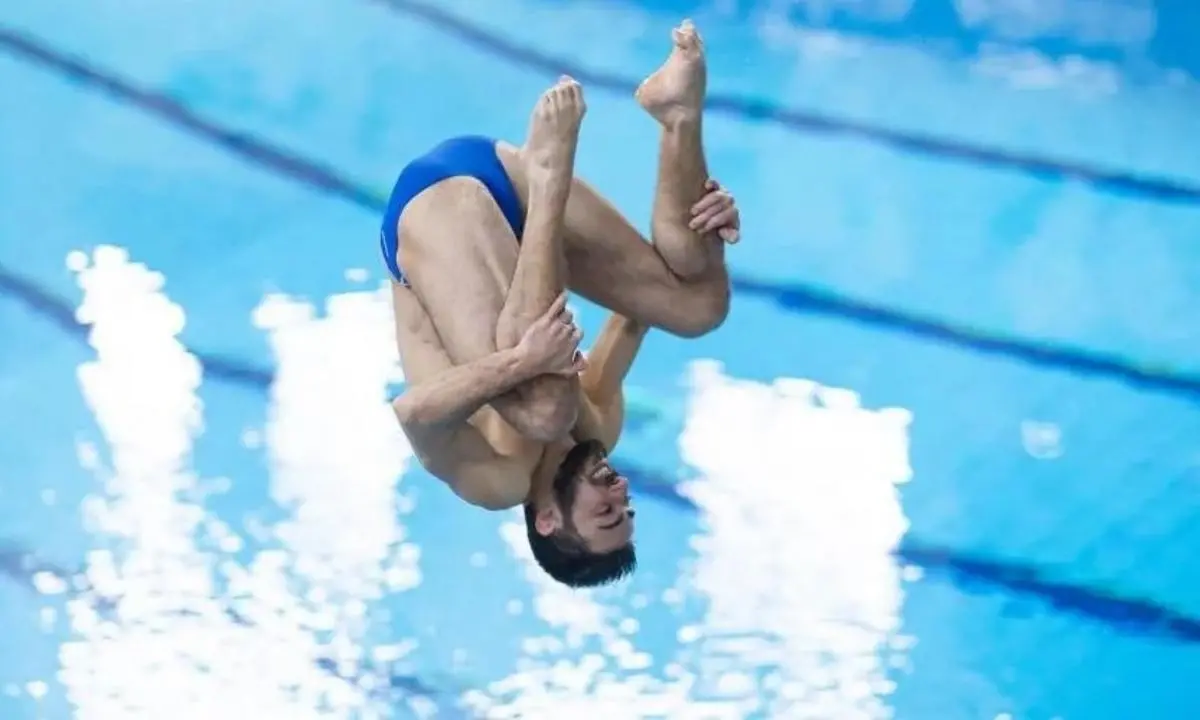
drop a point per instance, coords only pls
(972, 572)
(798, 120)
(1015, 577)
(811, 300)
(169, 110)
(796, 297)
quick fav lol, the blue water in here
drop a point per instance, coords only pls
(941, 462)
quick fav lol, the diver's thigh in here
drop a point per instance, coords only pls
(459, 253)
(612, 264)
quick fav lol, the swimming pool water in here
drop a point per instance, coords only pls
(941, 462)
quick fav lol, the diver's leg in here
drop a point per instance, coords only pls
(679, 283)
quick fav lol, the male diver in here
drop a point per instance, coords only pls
(483, 240)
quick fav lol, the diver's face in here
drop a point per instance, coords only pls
(601, 513)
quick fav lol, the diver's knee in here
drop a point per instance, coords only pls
(704, 310)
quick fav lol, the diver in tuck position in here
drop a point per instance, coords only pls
(483, 239)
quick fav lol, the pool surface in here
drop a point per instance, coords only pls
(942, 462)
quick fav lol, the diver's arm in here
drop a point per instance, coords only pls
(451, 396)
(609, 361)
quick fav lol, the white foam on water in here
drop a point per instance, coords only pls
(153, 639)
(798, 492)
(170, 625)
(336, 456)
(585, 665)
(335, 449)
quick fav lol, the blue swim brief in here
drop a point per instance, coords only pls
(470, 156)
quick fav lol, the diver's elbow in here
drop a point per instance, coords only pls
(411, 414)
(402, 407)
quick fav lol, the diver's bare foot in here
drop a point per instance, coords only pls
(549, 151)
(675, 92)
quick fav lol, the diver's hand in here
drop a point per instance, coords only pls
(717, 212)
(551, 344)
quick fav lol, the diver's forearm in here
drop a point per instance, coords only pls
(611, 358)
(457, 393)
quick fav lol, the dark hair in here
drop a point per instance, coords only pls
(563, 554)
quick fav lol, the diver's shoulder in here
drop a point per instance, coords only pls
(496, 482)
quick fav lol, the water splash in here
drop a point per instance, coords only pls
(336, 455)
(169, 624)
(800, 502)
(586, 665)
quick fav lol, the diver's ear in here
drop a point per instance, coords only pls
(547, 521)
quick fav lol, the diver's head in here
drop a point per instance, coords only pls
(581, 530)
